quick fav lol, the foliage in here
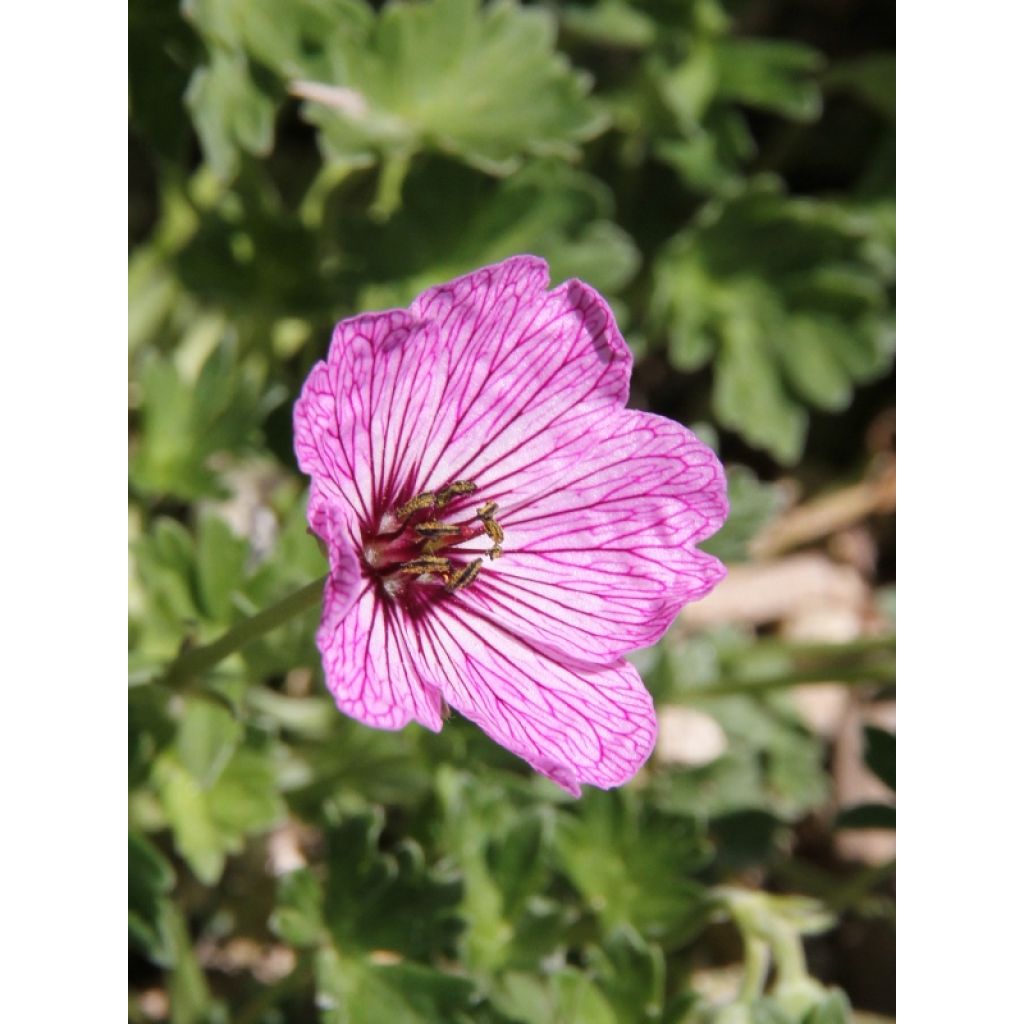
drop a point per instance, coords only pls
(727, 180)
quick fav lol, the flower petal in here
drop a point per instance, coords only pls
(367, 666)
(574, 724)
(360, 412)
(600, 539)
(524, 370)
(480, 378)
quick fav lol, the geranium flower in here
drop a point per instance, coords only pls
(501, 530)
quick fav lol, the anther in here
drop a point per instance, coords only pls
(465, 575)
(426, 564)
(487, 510)
(493, 530)
(433, 528)
(495, 552)
(425, 500)
(453, 490)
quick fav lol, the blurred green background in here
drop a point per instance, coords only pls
(724, 173)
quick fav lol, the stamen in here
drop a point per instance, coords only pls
(419, 529)
(465, 575)
(453, 490)
(433, 528)
(426, 564)
(425, 500)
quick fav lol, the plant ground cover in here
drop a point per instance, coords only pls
(724, 173)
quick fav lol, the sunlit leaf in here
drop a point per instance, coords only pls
(483, 84)
(790, 297)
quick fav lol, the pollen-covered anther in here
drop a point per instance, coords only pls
(426, 565)
(493, 530)
(486, 510)
(465, 575)
(454, 490)
(433, 529)
(425, 500)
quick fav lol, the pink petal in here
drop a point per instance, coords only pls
(360, 413)
(344, 581)
(481, 378)
(575, 724)
(368, 669)
(600, 540)
(525, 370)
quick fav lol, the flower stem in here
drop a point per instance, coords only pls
(756, 962)
(828, 649)
(191, 662)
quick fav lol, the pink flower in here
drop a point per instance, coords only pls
(501, 529)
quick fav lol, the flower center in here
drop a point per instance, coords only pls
(424, 540)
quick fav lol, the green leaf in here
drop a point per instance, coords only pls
(566, 997)
(189, 993)
(771, 74)
(871, 78)
(209, 824)
(196, 836)
(631, 973)
(634, 866)
(503, 851)
(161, 48)
(771, 763)
(833, 1009)
(789, 298)
(748, 394)
(880, 754)
(244, 800)
(455, 220)
(220, 565)
(231, 112)
(610, 23)
(352, 991)
(207, 737)
(493, 90)
(277, 36)
(516, 859)
(150, 880)
(298, 918)
(185, 421)
(386, 899)
(348, 756)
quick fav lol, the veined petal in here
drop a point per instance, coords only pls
(482, 377)
(368, 668)
(600, 539)
(344, 581)
(522, 368)
(360, 414)
(575, 724)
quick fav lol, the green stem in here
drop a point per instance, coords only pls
(824, 649)
(790, 962)
(869, 675)
(756, 961)
(192, 662)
